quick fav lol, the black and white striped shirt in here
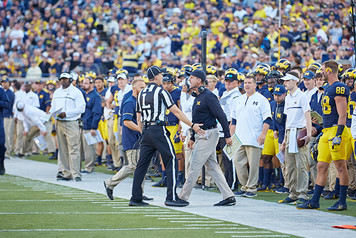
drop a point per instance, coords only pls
(152, 103)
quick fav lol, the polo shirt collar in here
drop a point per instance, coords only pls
(296, 93)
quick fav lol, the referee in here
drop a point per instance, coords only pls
(152, 103)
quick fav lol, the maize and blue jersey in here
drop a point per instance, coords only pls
(330, 114)
(350, 108)
(170, 117)
(44, 99)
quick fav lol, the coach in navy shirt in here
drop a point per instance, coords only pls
(206, 110)
(91, 118)
(7, 114)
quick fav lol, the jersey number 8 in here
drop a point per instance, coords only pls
(325, 104)
(340, 90)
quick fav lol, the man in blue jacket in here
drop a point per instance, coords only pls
(91, 118)
(4, 104)
(7, 114)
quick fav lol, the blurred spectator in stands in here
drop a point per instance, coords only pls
(34, 72)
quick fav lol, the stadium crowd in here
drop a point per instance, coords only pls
(98, 51)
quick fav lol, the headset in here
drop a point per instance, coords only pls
(201, 89)
(66, 75)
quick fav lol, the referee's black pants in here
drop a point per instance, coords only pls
(155, 138)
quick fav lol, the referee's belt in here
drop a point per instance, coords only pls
(154, 123)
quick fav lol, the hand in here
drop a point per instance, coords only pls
(62, 115)
(44, 133)
(261, 139)
(283, 146)
(198, 130)
(182, 137)
(314, 131)
(93, 132)
(306, 139)
(184, 88)
(190, 144)
(336, 142)
(275, 134)
(228, 141)
(16, 119)
(25, 133)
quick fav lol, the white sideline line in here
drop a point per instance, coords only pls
(13, 190)
(229, 225)
(111, 203)
(170, 215)
(46, 200)
(182, 218)
(261, 236)
(198, 221)
(114, 229)
(243, 232)
(57, 213)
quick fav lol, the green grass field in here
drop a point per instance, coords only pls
(31, 208)
(266, 196)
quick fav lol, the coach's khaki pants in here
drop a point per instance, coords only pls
(9, 130)
(51, 146)
(204, 153)
(68, 136)
(28, 140)
(19, 138)
(89, 153)
(113, 143)
(332, 174)
(126, 170)
(312, 164)
(248, 155)
(119, 137)
(351, 164)
(284, 171)
(297, 165)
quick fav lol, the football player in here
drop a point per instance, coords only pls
(333, 142)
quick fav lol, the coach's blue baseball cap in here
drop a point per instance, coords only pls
(5, 79)
(308, 75)
(279, 90)
(199, 74)
(153, 71)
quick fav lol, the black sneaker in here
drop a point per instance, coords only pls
(109, 192)
(63, 179)
(59, 174)
(231, 201)
(132, 203)
(146, 198)
(78, 179)
(2, 171)
(177, 203)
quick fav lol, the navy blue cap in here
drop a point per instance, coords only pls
(231, 77)
(39, 81)
(5, 79)
(309, 75)
(153, 71)
(199, 74)
(279, 90)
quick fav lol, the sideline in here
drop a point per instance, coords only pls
(256, 213)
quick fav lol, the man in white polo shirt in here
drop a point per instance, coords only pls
(71, 103)
(250, 119)
(297, 110)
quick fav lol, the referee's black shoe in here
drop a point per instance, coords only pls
(177, 203)
(231, 201)
(141, 204)
(109, 192)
